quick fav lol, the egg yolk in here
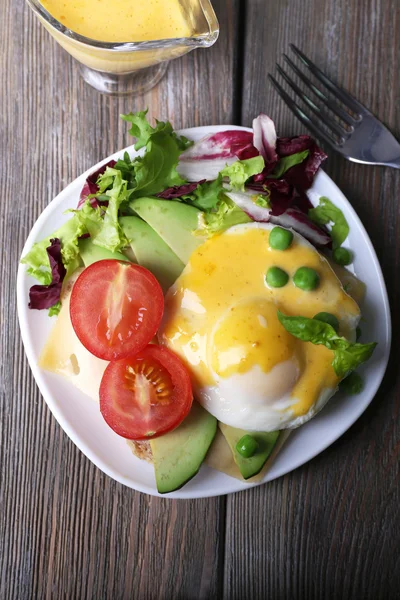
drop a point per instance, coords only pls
(221, 317)
(250, 334)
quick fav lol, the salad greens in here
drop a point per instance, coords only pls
(226, 215)
(326, 212)
(352, 384)
(109, 234)
(143, 131)
(84, 221)
(241, 170)
(347, 356)
(254, 178)
(206, 195)
(287, 162)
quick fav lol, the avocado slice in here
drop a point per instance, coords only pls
(178, 455)
(151, 251)
(173, 221)
(91, 253)
(266, 441)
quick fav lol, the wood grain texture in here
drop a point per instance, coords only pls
(66, 529)
(328, 530)
(331, 529)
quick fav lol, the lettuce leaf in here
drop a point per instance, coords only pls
(347, 356)
(90, 187)
(156, 170)
(287, 162)
(241, 170)
(141, 128)
(109, 234)
(326, 212)
(225, 215)
(143, 131)
(84, 221)
(48, 296)
(206, 195)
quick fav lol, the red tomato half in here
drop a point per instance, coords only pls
(146, 395)
(116, 308)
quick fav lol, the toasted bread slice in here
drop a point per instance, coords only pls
(141, 449)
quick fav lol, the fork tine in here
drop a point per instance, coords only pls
(342, 114)
(348, 100)
(325, 118)
(307, 121)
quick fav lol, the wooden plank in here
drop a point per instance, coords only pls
(331, 528)
(67, 530)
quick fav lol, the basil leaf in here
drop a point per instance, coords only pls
(346, 355)
(308, 330)
(347, 359)
(287, 162)
(326, 212)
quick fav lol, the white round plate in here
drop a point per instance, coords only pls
(80, 417)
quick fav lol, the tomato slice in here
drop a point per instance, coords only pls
(116, 308)
(146, 395)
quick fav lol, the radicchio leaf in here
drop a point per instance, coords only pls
(90, 186)
(177, 191)
(289, 201)
(294, 218)
(247, 202)
(45, 296)
(207, 157)
(265, 139)
(301, 175)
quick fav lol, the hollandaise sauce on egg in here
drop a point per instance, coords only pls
(221, 318)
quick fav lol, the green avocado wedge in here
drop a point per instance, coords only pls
(173, 221)
(249, 467)
(91, 253)
(179, 454)
(151, 251)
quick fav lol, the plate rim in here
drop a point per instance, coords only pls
(235, 485)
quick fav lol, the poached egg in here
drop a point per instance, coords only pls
(221, 319)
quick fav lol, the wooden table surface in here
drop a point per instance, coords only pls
(330, 529)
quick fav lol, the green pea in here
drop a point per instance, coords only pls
(247, 446)
(329, 318)
(342, 256)
(280, 239)
(276, 277)
(352, 384)
(358, 333)
(306, 279)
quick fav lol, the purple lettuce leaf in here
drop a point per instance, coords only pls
(303, 174)
(90, 186)
(177, 191)
(45, 296)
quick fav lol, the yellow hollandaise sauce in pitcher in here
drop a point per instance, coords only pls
(122, 20)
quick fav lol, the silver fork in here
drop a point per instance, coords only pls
(362, 138)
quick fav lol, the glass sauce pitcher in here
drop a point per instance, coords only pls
(132, 67)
